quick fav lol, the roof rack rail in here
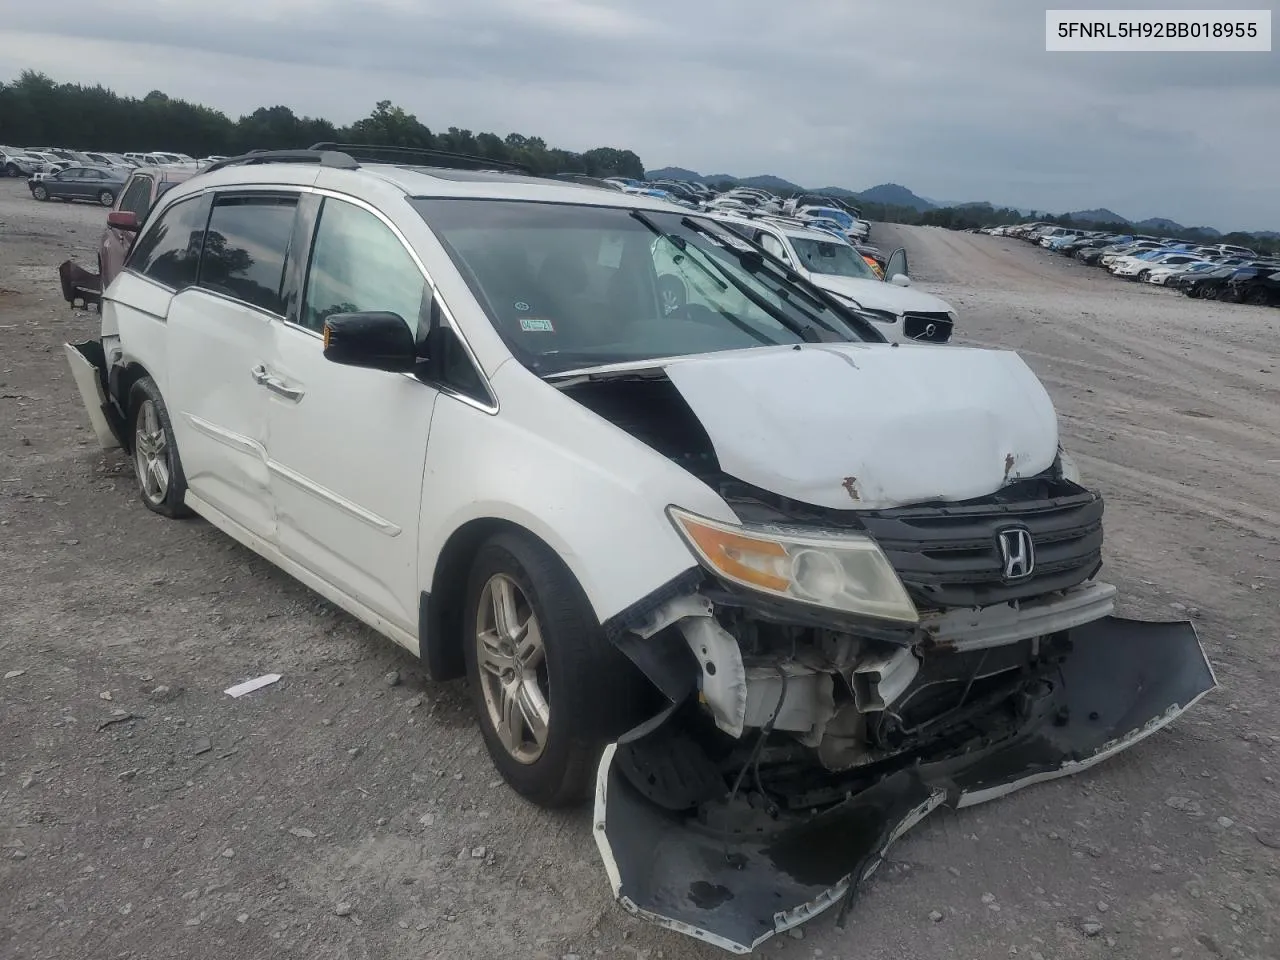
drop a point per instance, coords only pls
(419, 156)
(328, 158)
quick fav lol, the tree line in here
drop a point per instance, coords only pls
(37, 111)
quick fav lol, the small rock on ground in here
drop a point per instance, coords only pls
(342, 910)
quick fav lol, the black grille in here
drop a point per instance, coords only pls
(949, 555)
(917, 326)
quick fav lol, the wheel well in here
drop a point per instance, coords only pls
(442, 611)
(125, 380)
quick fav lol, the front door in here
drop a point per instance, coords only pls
(895, 265)
(347, 445)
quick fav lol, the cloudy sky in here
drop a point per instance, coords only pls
(956, 99)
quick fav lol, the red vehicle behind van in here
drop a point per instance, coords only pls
(144, 187)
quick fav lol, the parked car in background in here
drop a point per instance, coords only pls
(144, 186)
(17, 163)
(1262, 289)
(109, 159)
(98, 184)
(832, 264)
(1164, 274)
(1140, 267)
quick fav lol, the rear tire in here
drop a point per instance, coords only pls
(107, 198)
(581, 692)
(162, 485)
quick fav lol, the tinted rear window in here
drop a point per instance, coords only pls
(245, 248)
(169, 252)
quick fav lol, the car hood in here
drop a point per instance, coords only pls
(878, 295)
(871, 426)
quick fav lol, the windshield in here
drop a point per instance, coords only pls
(831, 213)
(569, 286)
(831, 257)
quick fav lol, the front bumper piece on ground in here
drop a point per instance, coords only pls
(79, 284)
(1123, 680)
(88, 368)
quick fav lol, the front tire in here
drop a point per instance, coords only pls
(162, 486)
(549, 688)
(40, 193)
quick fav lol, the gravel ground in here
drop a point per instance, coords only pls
(349, 811)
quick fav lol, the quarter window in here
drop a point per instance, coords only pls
(169, 252)
(359, 264)
(245, 248)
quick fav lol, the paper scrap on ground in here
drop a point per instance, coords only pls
(257, 683)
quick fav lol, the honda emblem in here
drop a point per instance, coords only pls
(1018, 552)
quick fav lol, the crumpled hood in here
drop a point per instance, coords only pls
(871, 426)
(878, 295)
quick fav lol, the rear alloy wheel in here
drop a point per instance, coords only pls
(162, 484)
(39, 192)
(549, 688)
(106, 198)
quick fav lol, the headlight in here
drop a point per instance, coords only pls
(848, 573)
(1069, 469)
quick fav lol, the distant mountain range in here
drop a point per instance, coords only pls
(895, 194)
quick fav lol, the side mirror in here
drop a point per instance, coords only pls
(375, 340)
(125, 220)
(900, 280)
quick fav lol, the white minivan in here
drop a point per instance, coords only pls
(768, 587)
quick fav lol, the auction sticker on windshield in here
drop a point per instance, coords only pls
(1163, 31)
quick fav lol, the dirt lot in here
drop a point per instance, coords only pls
(207, 827)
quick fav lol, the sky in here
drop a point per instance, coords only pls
(956, 99)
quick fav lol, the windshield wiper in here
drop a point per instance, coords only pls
(753, 262)
(720, 284)
(815, 331)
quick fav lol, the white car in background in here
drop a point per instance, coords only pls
(1162, 274)
(901, 314)
(1140, 268)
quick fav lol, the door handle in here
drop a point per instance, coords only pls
(277, 386)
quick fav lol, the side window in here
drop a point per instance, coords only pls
(169, 251)
(358, 264)
(245, 248)
(137, 197)
(773, 245)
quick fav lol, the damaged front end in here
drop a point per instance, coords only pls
(835, 677)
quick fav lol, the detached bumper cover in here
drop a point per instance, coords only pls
(79, 284)
(1124, 680)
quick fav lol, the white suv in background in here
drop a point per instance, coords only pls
(453, 402)
(901, 314)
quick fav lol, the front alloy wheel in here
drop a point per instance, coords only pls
(40, 193)
(513, 668)
(549, 688)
